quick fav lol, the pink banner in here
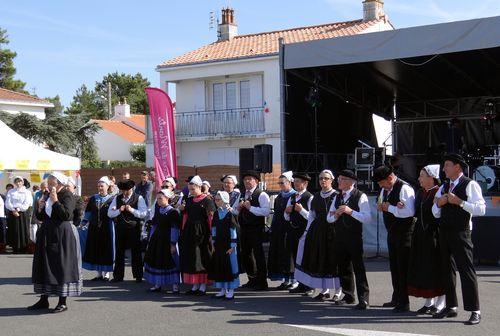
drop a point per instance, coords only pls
(162, 125)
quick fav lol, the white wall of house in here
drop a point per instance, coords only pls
(32, 109)
(112, 147)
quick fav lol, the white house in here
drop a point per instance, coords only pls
(119, 133)
(16, 102)
(228, 92)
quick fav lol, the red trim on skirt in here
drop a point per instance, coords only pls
(194, 279)
(425, 293)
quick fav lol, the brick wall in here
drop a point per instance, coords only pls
(90, 176)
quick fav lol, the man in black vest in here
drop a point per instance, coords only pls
(127, 209)
(349, 211)
(397, 204)
(252, 213)
(457, 201)
(296, 213)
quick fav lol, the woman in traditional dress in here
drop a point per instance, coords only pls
(17, 202)
(99, 254)
(316, 265)
(57, 259)
(224, 270)
(279, 264)
(424, 275)
(194, 241)
(161, 262)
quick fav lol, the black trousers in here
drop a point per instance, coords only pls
(128, 238)
(456, 249)
(252, 253)
(349, 251)
(399, 244)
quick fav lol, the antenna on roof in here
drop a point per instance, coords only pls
(211, 22)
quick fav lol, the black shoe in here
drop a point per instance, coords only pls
(390, 304)
(474, 319)
(200, 293)
(41, 304)
(116, 280)
(218, 297)
(432, 311)
(401, 309)
(59, 309)
(191, 292)
(98, 278)
(345, 300)
(229, 298)
(424, 310)
(299, 290)
(138, 280)
(282, 286)
(362, 305)
(154, 290)
(261, 287)
(321, 297)
(445, 312)
(250, 284)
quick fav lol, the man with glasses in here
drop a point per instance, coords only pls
(349, 211)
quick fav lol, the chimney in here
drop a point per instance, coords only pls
(373, 10)
(227, 28)
(122, 110)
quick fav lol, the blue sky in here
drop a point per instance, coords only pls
(64, 44)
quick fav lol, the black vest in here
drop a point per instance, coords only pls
(126, 218)
(248, 219)
(393, 223)
(296, 219)
(233, 196)
(346, 224)
(453, 216)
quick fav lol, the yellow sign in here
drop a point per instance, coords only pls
(67, 173)
(1, 165)
(22, 164)
(43, 165)
(35, 178)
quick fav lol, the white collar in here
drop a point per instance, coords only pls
(348, 192)
(456, 181)
(251, 190)
(299, 193)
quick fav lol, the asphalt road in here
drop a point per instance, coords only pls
(127, 309)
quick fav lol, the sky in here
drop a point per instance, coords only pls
(63, 44)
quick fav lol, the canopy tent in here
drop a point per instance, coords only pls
(423, 78)
(20, 154)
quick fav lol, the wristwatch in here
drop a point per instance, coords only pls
(462, 204)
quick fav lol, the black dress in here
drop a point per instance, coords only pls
(99, 252)
(57, 257)
(318, 266)
(279, 263)
(424, 275)
(195, 248)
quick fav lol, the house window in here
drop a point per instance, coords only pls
(245, 94)
(218, 96)
(231, 95)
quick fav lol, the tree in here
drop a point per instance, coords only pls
(87, 104)
(57, 110)
(7, 68)
(138, 152)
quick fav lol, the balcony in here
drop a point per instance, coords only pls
(220, 123)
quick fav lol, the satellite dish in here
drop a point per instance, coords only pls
(486, 175)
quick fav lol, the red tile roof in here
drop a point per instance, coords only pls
(266, 44)
(134, 133)
(21, 97)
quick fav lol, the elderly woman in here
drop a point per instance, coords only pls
(229, 183)
(424, 275)
(225, 270)
(161, 262)
(57, 259)
(99, 251)
(17, 202)
(316, 265)
(194, 240)
(279, 263)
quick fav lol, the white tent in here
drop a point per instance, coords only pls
(18, 153)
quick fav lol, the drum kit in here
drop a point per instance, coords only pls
(487, 169)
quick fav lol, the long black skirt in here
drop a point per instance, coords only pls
(18, 231)
(279, 263)
(318, 259)
(99, 252)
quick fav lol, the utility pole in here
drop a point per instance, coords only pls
(109, 100)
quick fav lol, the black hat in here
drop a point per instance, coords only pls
(252, 173)
(189, 178)
(301, 176)
(382, 172)
(126, 184)
(348, 173)
(456, 159)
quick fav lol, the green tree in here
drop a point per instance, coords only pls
(138, 152)
(7, 68)
(87, 104)
(57, 110)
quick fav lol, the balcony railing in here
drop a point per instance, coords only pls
(220, 122)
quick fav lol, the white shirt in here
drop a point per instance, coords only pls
(407, 197)
(141, 212)
(364, 213)
(312, 214)
(474, 204)
(2, 208)
(304, 213)
(18, 198)
(264, 208)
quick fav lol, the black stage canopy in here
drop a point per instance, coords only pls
(439, 84)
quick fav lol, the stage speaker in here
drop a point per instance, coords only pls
(263, 158)
(246, 160)
(350, 162)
